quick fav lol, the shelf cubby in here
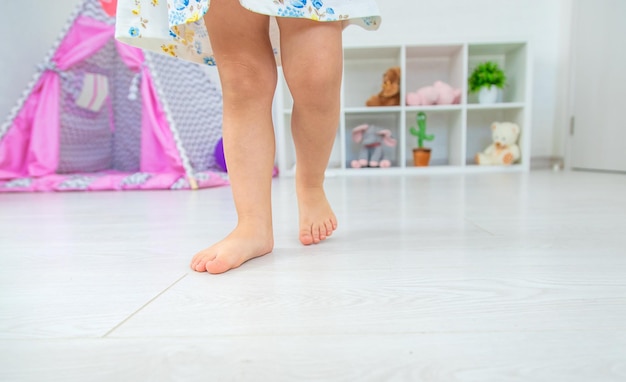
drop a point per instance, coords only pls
(427, 64)
(512, 58)
(479, 134)
(363, 72)
(447, 127)
(386, 120)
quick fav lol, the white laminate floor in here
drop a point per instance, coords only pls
(490, 277)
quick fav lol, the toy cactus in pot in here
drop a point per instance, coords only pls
(421, 154)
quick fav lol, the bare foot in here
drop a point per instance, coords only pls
(317, 220)
(244, 243)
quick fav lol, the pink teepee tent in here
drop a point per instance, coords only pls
(101, 115)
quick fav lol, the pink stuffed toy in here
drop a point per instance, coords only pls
(425, 96)
(447, 94)
(438, 94)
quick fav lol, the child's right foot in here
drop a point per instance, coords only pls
(243, 244)
(317, 220)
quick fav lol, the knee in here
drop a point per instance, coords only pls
(317, 85)
(243, 82)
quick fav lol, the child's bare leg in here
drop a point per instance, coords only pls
(312, 58)
(247, 71)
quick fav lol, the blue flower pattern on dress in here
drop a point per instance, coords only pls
(309, 9)
(133, 32)
(369, 21)
(179, 5)
(187, 37)
(290, 12)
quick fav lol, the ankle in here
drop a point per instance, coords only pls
(309, 181)
(309, 186)
(255, 223)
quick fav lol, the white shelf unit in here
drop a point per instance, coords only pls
(460, 130)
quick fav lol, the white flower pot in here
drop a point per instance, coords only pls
(488, 95)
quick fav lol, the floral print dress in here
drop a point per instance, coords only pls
(176, 27)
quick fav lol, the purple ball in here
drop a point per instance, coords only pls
(219, 155)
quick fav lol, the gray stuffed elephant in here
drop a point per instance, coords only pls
(372, 139)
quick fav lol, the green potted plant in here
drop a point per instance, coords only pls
(486, 79)
(421, 154)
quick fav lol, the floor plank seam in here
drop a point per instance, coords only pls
(372, 334)
(615, 331)
(479, 227)
(143, 306)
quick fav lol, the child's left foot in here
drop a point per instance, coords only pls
(317, 220)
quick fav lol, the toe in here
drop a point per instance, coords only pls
(328, 225)
(217, 266)
(199, 261)
(200, 266)
(315, 230)
(196, 261)
(322, 232)
(305, 236)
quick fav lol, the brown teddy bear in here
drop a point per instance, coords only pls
(390, 93)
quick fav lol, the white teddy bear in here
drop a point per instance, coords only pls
(504, 149)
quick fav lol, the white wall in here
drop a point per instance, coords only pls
(544, 23)
(26, 39)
